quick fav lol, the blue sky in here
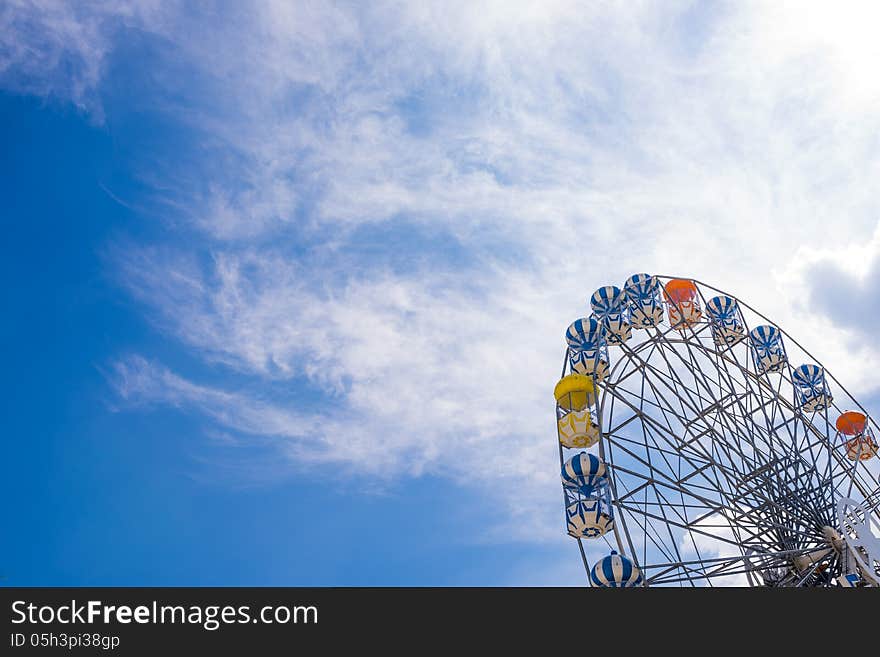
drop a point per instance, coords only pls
(287, 282)
(101, 494)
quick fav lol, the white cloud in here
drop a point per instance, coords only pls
(418, 376)
(141, 381)
(60, 49)
(590, 144)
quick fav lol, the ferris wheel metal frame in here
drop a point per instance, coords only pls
(785, 532)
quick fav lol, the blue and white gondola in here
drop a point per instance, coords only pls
(767, 349)
(724, 316)
(589, 516)
(583, 472)
(609, 307)
(587, 348)
(642, 293)
(615, 571)
(812, 392)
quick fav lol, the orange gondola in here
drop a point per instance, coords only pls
(860, 443)
(682, 302)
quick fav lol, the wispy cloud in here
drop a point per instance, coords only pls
(59, 50)
(140, 381)
(417, 375)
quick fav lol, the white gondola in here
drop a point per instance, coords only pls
(727, 324)
(587, 349)
(609, 307)
(768, 351)
(812, 393)
(643, 296)
(577, 429)
(584, 477)
(861, 448)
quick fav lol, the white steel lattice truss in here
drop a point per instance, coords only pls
(718, 474)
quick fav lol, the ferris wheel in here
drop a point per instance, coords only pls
(700, 445)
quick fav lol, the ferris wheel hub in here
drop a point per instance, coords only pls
(833, 537)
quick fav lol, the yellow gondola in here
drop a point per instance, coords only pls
(575, 392)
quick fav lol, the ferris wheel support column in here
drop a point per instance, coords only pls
(584, 559)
